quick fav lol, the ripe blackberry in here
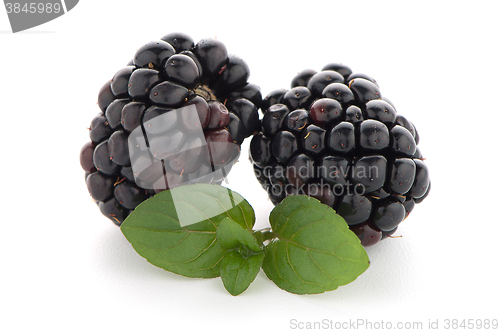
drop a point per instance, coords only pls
(165, 75)
(340, 141)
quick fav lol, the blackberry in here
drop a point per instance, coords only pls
(145, 97)
(340, 141)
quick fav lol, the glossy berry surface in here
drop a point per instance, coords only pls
(219, 115)
(87, 157)
(153, 54)
(218, 110)
(326, 111)
(342, 142)
(183, 70)
(284, 146)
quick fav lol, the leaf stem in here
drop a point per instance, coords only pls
(265, 234)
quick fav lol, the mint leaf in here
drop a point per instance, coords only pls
(314, 250)
(243, 261)
(238, 271)
(176, 229)
(231, 235)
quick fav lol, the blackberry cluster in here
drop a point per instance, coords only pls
(164, 75)
(334, 137)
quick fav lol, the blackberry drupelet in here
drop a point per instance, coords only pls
(340, 141)
(164, 75)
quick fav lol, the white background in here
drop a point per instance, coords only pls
(66, 268)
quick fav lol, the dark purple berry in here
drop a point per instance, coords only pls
(260, 150)
(250, 91)
(127, 173)
(153, 55)
(409, 204)
(300, 170)
(402, 175)
(274, 97)
(212, 55)
(102, 160)
(100, 186)
(219, 115)
(382, 111)
(352, 149)
(128, 195)
(373, 135)
(335, 170)
(339, 92)
(183, 70)
(274, 118)
(420, 199)
(202, 108)
(99, 128)
(326, 111)
(189, 158)
(386, 234)
(313, 139)
(261, 177)
(364, 90)
(87, 156)
(302, 78)
(323, 193)
(298, 98)
(277, 175)
(422, 182)
(343, 70)
(341, 138)
(296, 121)
(153, 123)
(403, 142)
(276, 194)
(367, 234)
(284, 146)
(248, 114)
(114, 112)
(168, 94)
(180, 41)
(402, 121)
(387, 216)
(118, 148)
(236, 129)
(196, 61)
(235, 75)
(319, 81)
(168, 147)
(119, 83)
(353, 76)
(165, 144)
(105, 96)
(142, 81)
(417, 139)
(355, 208)
(370, 172)
(132, 115)
(220, 146)
(113, 211)
(353, 114)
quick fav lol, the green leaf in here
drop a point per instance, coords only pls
(314, 250)
(176, 229)
(243, 261)
(238, 271)
(231, 235)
